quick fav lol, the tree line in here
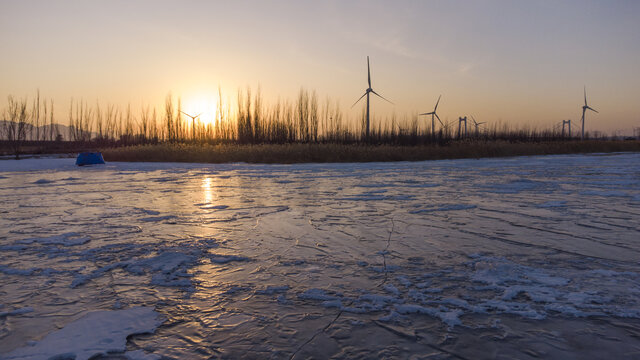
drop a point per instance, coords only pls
(304, 119)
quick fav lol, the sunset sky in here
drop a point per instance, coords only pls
(522, 62)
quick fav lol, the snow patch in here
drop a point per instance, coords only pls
(223, 259)
(552, 204)
(67, 239)
(97, 333)
(498, 271)
(23, 272)
(141, 355)
(214, 207)
(148, 212)
(316, 294)
(270, 290)
(449, 317)
(158, 218)
(391, 289)
(167, 268)
(447, 207)
(24, 310)
(515, 186)
(605, 193)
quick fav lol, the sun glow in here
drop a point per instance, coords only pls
(203, 107)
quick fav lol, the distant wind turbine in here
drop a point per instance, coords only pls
(193, 118)
(476, 124)
(433, 113)
(584, 109)
(366, 93)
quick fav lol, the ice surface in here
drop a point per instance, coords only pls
(514, 258)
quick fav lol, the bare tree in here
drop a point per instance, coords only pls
(99, 123)
(153, 125)
(258, 123)
(16, 123)
(36, 114)
(54, 131)
(168, 109)
(313, 116)
(111, 122)
(179, 124)
(143, 129)
(302, 109)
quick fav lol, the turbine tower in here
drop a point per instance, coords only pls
(476, 124)
(366, 93)
(193, 120)
(568, 123)
(584, 109)
(460, 121)
(433, 113)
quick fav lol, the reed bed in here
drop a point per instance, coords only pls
(335, 153)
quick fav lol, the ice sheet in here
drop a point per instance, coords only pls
(516, 257)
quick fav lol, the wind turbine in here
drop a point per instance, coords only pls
(584, 109)
(433, 113)
(193, 118)
(476, 124)
(366, 93)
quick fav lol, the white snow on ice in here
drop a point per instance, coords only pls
(97, 333)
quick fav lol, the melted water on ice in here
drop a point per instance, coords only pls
(520, 257)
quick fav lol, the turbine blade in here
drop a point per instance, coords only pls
(185, 113)
(437, 102)
(363, 95)
(368, 72)
(382, 97)
(474, 120)
(592, 109)
(585, 96)
(438, 118)
(429, 113)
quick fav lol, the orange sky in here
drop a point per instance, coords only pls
(518, 62)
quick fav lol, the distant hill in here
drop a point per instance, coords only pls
(44, 129)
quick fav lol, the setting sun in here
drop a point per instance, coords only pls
(204, 105)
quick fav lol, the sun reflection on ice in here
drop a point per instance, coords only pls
(208, 207)
(207, 189)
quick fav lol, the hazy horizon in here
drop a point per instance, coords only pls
(511, 61)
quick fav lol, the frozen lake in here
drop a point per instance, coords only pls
(500, 258)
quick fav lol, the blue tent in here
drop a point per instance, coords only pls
(89, 158)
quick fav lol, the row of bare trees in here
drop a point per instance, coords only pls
(252, 121)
